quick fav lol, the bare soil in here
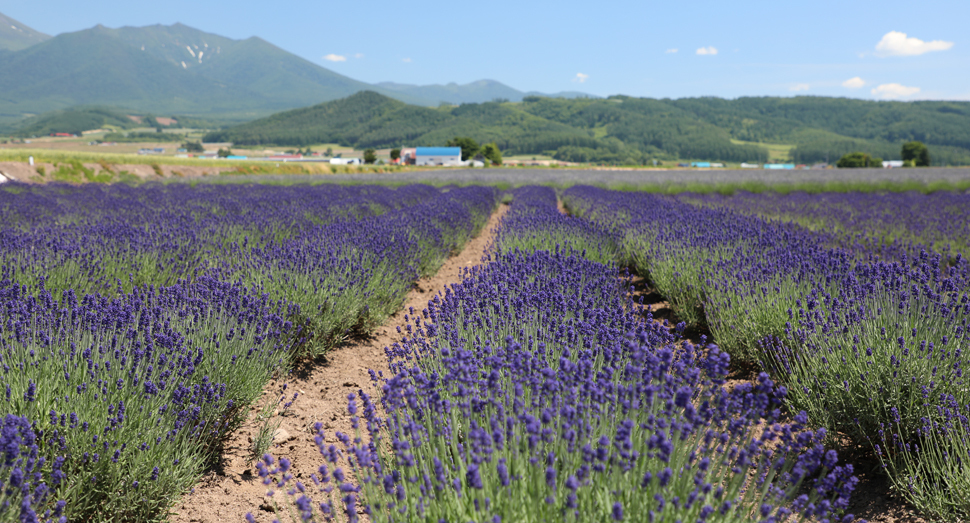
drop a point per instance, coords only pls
(234, 488)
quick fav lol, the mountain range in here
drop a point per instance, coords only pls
(623, 129)
(170, 70)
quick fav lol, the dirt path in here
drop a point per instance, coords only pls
(227, 494)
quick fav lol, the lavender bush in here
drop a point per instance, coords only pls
(885, 366)
(24, 495)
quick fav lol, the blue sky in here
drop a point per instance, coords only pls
(877, 50)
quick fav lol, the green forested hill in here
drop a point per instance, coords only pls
(76, 121)
(369, 119)
(623, 129)
(819, 125)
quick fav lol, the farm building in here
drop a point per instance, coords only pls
(408, 155)
(449, 156)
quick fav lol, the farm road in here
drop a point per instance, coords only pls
(629, 176)
(227, 494)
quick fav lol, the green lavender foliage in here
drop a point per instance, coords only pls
(113, 420)
(886, 368)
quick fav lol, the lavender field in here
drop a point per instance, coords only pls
(139, 325)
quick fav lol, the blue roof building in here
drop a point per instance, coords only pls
(438, 156)
(438, 151)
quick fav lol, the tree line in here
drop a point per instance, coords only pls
(914, 154)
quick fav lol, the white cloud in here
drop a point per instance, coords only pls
(893, 91)
(798, 87)
(895, 43)
(854, 83)
(406, 60)
(671, 51)
(335, 58)
(580, 77)
(359, 55)
(710, 50)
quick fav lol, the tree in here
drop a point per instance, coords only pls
(193, 147)
(875, 162)
(395, 154)
(854, 160)
(370, 156)
(328, 152)
(469, 147)
(492, 153)
(916, 153)
(224, 153)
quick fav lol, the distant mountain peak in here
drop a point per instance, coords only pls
(166, 70)
(15, 36)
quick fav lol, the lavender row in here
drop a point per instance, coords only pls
(535, 223)
(88, 238)
(887, 224)
(126, 398)
(346, 256)
(130, 386)
(870, 349)
(260, 208)
(535, 391)
(738, 274)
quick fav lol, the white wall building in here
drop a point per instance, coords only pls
(345, 161)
